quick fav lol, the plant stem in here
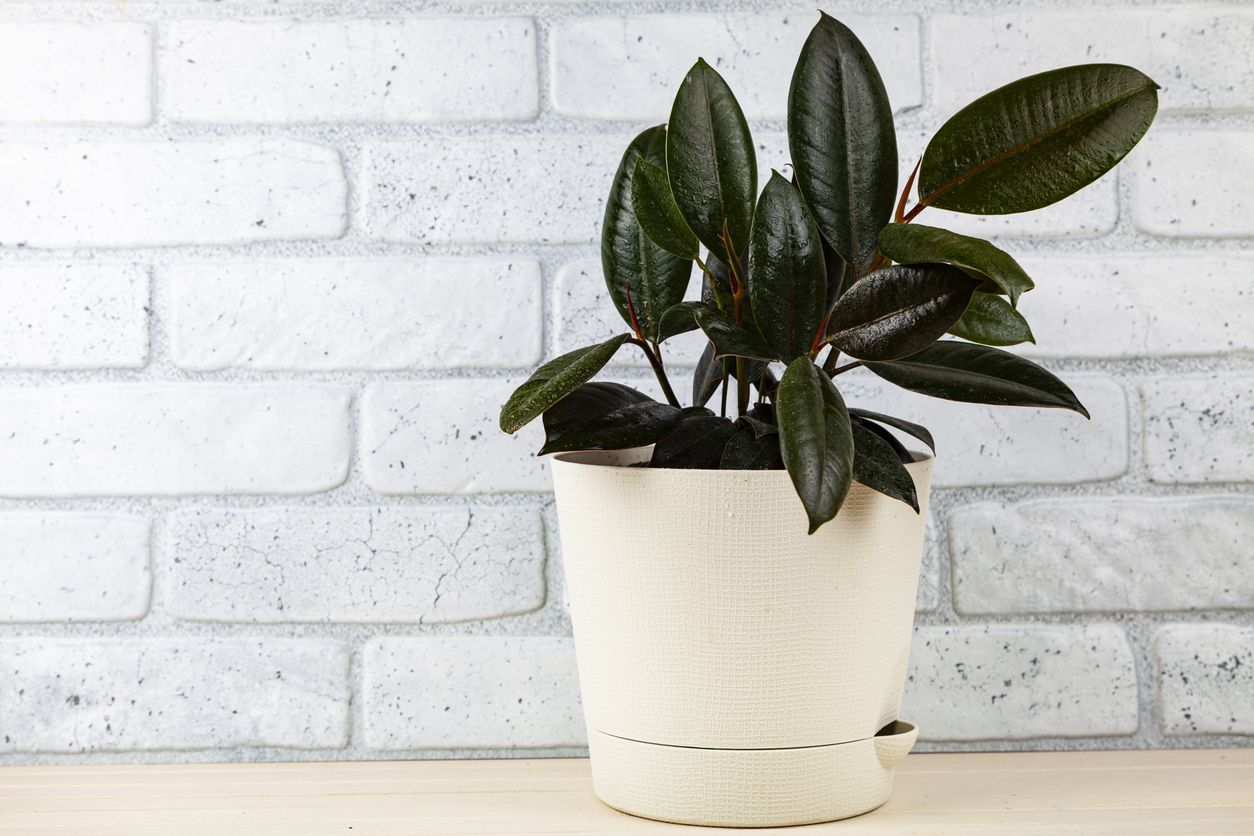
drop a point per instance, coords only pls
(910, 216)
(844, 368)
(723, 411)
(829, 362)
(658, 371)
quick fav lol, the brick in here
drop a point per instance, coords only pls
(436, 190)
(586, 315)
(1132, 305)
(443, 437)
(1200, 56)
(1199, 429)
(1205, 679)
(1091, 212)
(927, 599)
(1103, 554)
(73, 567)
(94, 695)
(361, 565)
(74, 316)
(376, 314)
(630, 67)
(1001, 682)
(103, 440)
(135, 194)
(1194, 184)
(472, 693)
(352, 70)
(55, 73)
(1003, 445)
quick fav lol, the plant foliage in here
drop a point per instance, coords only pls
(822, 261)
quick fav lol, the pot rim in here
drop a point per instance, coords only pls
(595, 459)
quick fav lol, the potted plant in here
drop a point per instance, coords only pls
(742, 585)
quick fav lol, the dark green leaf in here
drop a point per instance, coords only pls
(815, 439)
(655, 209)
(697, 444)
(991, 321)
(842, 140)
(959, 371)
(657, 279)
(711, 162)
(903, 455)
(731, 340)
(746, 451)
(759, 427)
(899, 310)
(915, 430)
(721, 279)
(913, 244)
(707, 376)
(606, 416)
(839, 276)
(787, 276)
(876, 465)
(555, 380)
(695, 411)
(1037, 140)
(679, 319)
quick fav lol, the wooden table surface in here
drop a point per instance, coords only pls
(1170, 792)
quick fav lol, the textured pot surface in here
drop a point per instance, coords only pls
(704, 616)
(748, 787)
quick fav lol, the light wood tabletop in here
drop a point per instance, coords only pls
(1169, 792)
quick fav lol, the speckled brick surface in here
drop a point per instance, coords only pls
(270, 269)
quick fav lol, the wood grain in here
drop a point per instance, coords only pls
(1126, 792)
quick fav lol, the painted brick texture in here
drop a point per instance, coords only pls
(269, 271)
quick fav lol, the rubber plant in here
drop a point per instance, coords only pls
(830, 260)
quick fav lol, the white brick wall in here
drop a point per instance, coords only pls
(355, 70)
(376, 314)
(99, 440)
(268, 272)
(355, 565)
(73, 567)
(54, 72)
(996, 682)
(135, 194)
(74, 315)
(91, 695)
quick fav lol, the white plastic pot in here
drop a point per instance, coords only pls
(734, 670)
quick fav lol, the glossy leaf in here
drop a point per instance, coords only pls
(711, 162)
(657, 279)
(971, 373)
(606, 416)
(695, 411)
(815, 439)
(839, 276)
(899, 310)
(1037, 140)
(679, 319)
(719, 278)
(745, 451)
(914, 244)
(915, 430)
(697, 444)
(903, 455)
(759, 427)
(707, 376)
(842, 141)
(555, 380)
(656, 212)
(730, 340)
(990, 320)
(876, 465)
(787, 276)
